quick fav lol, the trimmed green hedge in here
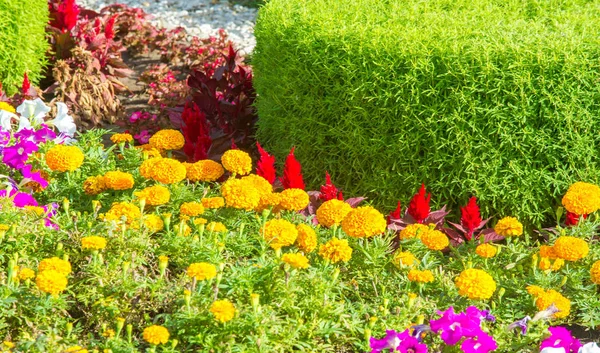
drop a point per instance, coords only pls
(23, 41)
(498, 99)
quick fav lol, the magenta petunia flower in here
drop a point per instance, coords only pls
(391, 341)
(16, 156)
(19, 199)
(412, 345)
(480, 342)
(560, 337)
(28, 175)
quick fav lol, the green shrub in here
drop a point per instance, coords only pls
(22, 41)
(497, 99)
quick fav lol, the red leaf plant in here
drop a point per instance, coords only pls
(265, 167)
(292, 173)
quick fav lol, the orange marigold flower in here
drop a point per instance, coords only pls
(123, 211)
(279, 233)
(547, 251)
(293, 199)
(216, 227)
(364, 222)
(213, 202)
(535, 290)
(240, 194)
(595, 272)
(202, 271)
(155, 195)
(332, 212)
(425, 276)
(55, 264)
(413, 231)
(509, 227)
(93, 242)
(307, 238)
(475, 284)
(156, 335)
(51, 282)
(435, 240)
(570, 248)
(236, 161)
(117, 180)
(167, 139)
(167, 170)
(259, 183)
(223, 310)
(582, 198)
(153, 223)
(486, 250)
(270, 200)
(549, 297)
(191, 209)
(26, 273)
(121, 138)
(295, 260)
(63, 158)
(94, 185)
(404, 259)
(204, 170)
(336, 250)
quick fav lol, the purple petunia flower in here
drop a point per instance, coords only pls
(522, 324)
(16, 156)
(50, 211)
(560, 337)
(481, 342)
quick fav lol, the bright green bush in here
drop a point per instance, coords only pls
(497, 99)
(22, 41)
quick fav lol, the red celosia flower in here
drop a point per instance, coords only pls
(573, 218)
(109, 31)
(418, 207)
(26, 85)
(65, 17)
(470, 217)
(292, 173)
(330, 191)
(233, 145)
(265, 167)
(395, 214)
(196, 133)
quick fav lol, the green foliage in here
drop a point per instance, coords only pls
(491, 98)
(23, 42)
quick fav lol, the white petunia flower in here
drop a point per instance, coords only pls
(63, 121)
(34, 109)
(24, 123)
(5, 120)
(590, 348)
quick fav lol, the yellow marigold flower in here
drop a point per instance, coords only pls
(223, 310)
(191, 209)
(413, 231)
(51, 282)
(153, 223)
(293, 199)
(240, 194)
(108, 333)
(55, 264)
(4, 227)
(269, 200)
(61, 158)
(279, 233)
(544, 264)
(93, 242)
(236, 161)
(549, 297)
(213, 202)
(336, 250)
(26, 273)
(7, 107)
(167, 139)
(486, 250)
(204, 170)
(475, 284)
(547, 251)
(156, 334)
(121, 138)
(435, 240)
(199, 221)
(509, 227)
(147, 167)
(8, 344)
(155, 195)
(582, 198)
(420, 276)
(94, 185)
(558, 264)
(364, 222)
(123, 211)
(307, 238)
(118, 180)
(76, 349)
(182, 228)
(167, 170)
(571, 248)
(35, 210)
(332, 212)
(216, 227)
(201, 271)
(595, 272)
(295, 260)
(404, 259)
(261, 184)
(163, 259)
(535, 290)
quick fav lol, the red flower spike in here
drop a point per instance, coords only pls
(233, 145)
(66, 15)
(26, 85)
(418, 207)
(395, 214)
(330, 191)
(109, 31)
(196, 133)
(573, 219)
(265, 167)
(292, 173)
(470, 217)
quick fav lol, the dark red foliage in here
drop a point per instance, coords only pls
(196, 132)
(292, 173)
(265, 167)
(395, 214)
(573, 219)
(330, 191)
(419, 208)
(63, 14)
(470, 217)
